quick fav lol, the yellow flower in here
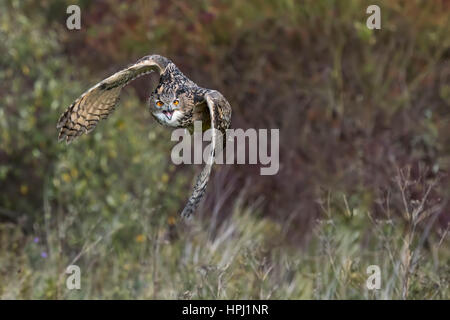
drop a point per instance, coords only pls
(171, 220)
(24, 189)
(74, 172)
(140, 238)
(66, 177)
(120, 124)
(165, 178)
(25, 70)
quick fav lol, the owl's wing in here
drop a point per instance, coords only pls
(100, 100)
(220, 114)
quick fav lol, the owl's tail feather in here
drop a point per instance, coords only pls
(217, 149)
(198, 193)
(203, 178)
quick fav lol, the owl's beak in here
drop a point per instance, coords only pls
(168, 114)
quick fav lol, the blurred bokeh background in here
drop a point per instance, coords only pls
(364, 119)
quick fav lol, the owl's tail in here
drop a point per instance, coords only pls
(202, 179)
(198, 193)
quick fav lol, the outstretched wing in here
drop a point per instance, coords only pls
(220, 114)
(100, 100)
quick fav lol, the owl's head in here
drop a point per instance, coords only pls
(166, 108)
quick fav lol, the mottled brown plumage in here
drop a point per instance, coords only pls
(176, 102)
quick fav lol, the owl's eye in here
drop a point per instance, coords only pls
(176, 102)
(159, 103)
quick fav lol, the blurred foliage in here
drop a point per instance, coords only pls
(245, 259)
(353, 106)
(38, 81)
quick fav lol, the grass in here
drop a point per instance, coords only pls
(245, 257)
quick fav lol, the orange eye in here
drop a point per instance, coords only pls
(176, 102)
(159, 103)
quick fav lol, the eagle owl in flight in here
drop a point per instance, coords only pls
(176, 102)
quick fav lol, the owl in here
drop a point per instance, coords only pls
(176, 102)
